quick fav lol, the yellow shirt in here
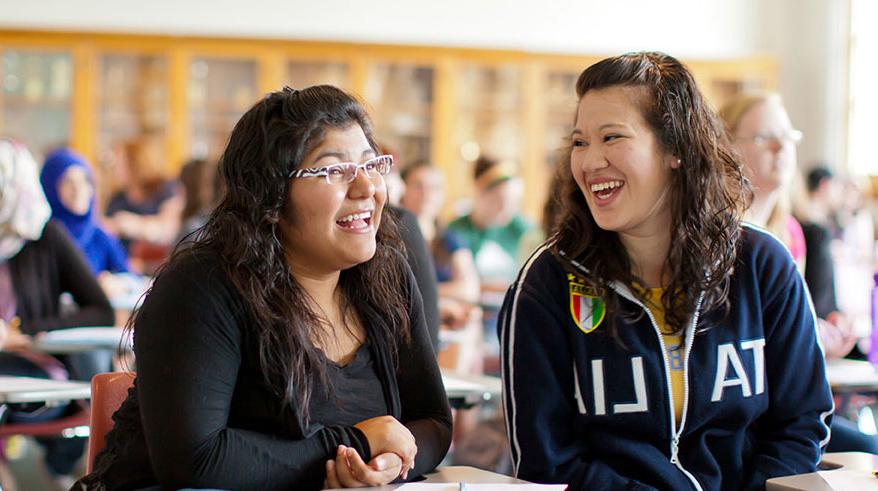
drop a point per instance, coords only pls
(673, 346)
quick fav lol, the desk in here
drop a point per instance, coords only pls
(860, 466)
(851, 376)
(455, 474)
(468, 390)
(80, 339)
(27, 389)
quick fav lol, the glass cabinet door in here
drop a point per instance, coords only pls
(132, 101)
(220, 91)
(488, 121)
(301, 74)
(560, 114)
(35, 103)
(400, 97)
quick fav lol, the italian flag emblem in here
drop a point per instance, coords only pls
(587, 309)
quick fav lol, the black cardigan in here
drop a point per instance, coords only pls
(46, 268)
(201, 415)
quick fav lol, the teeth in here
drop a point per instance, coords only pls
(605, 185)
(356, 216)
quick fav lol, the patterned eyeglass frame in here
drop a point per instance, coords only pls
(324, 171)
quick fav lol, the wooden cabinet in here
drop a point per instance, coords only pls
(400, 100)
(448, 105)
(131, 99)
(220, 91)
(36, 98)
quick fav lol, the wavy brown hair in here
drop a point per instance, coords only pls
(708, 193)
(268, 142)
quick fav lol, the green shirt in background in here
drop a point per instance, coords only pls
(496, 250)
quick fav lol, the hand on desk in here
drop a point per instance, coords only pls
(837, 334)
(455, 314)
(387, 435)
(349, 471)
(11, 339)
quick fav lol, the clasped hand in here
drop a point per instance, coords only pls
(394, 450)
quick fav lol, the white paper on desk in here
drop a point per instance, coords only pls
(453, 383)
(453, 486)
(84, 335)
(843, 479)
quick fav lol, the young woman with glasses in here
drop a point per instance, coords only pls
(286, 347)
(669, 346)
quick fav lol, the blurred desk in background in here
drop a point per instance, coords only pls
(82, 339)
(15, 390)
(465, 391)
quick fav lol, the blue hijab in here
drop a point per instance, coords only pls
(104, 252)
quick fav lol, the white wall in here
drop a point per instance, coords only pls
(804, 34)
(704, 28)
(810, 39)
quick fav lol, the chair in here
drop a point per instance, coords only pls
(108, 391)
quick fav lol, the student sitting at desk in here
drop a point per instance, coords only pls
(285, 348)
(667, 346)
(38, 262)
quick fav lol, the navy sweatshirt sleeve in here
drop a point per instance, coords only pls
(538, 395)
(789, 438)
(189, 348)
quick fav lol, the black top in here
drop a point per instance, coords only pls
(352, 397)
(201, 415)
(46, 268)
(819, 268)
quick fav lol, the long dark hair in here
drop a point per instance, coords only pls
(270, 140)
(708, 192)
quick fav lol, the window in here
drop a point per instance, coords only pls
(863, 119)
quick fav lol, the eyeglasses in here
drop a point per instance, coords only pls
(762, 140)
(346, 172)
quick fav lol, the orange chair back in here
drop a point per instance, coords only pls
(108, 391)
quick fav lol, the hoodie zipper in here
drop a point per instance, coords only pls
(690, 338)
(622, 290)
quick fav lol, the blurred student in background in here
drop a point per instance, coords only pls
(69, 185)
(39, 262)
(202, 189)
(764, 138)
(455, 268)
(145, 212)
(494, 228)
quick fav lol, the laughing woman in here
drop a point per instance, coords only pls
(670, 346)
(286, 348)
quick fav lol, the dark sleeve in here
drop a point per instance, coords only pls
(819, 268)
(75, 277)
(425, 410)
(791, 435)
(419, 259)
(116, 204)
(188, 346)
(538, 396)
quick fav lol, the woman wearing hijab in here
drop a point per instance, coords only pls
(69, 186)
(38, 263)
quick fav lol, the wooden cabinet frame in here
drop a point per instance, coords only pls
(272, 56)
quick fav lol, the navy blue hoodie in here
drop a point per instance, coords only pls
(587, 410)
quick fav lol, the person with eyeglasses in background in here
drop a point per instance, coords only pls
(764, 138)
(284, 348)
